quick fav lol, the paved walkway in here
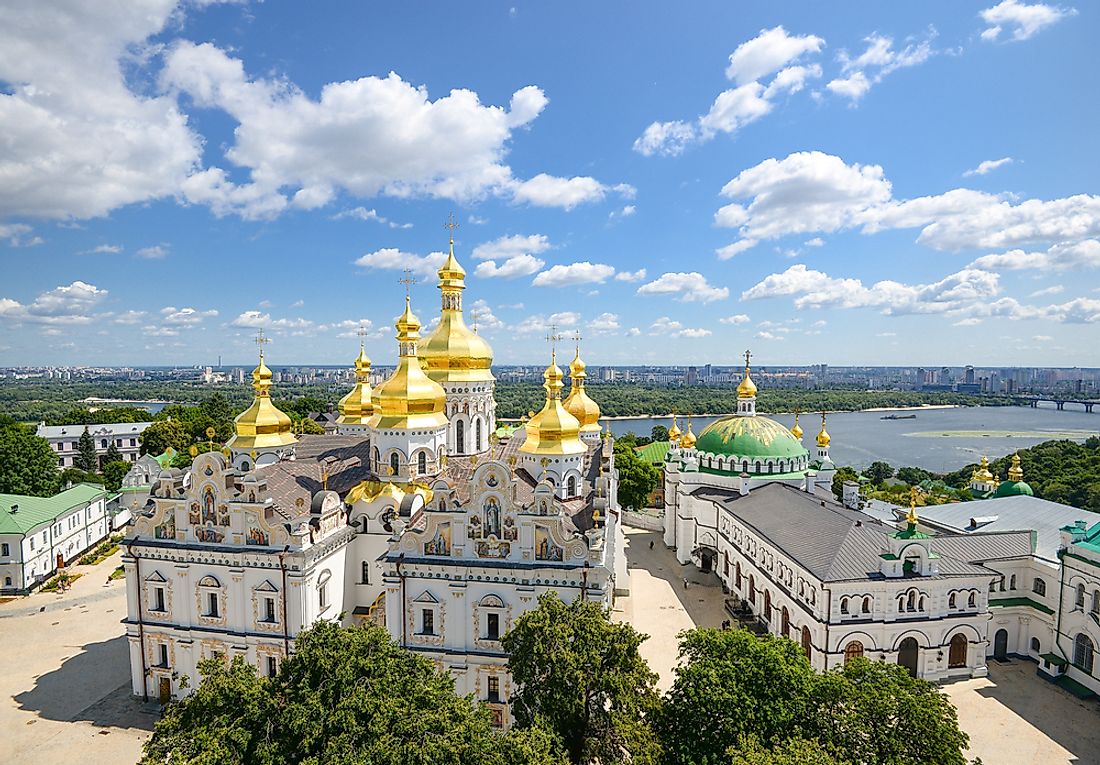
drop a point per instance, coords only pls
(65, 676)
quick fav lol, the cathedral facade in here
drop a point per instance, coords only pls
(419, 514)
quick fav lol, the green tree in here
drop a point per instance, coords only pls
(878, 471)
(346, 696)
(637, 478)
(27, 463)
(160, 435)
(86, 458)
(307, 426)
(114, 472)
(216, 411)
(580, 677)
(913, 475)
(659, 433)
(842, 475)
(731, 684)
(113, 454)
(796, 751)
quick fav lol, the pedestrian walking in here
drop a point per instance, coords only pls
(651, 544)
(685, 582)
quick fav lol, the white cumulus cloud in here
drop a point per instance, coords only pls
(1021, 19)
(988, 166)
(687, 287)
(583, 272)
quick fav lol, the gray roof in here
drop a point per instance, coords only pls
(982, 546)
(831, 542)
(1017, 513)
(106, 429)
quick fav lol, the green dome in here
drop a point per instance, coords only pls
(1013, 489)
(750, 437)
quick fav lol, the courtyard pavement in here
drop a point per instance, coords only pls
(65, 676)
(1013, 717)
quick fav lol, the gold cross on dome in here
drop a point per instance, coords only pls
(362, 333)
(408, 281)
(452, 225)
(553, 337)
(261, 340)
(577, 339)
(748, 355)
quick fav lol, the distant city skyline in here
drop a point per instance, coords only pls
(852, 185)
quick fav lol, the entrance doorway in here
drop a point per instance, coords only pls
(165, 690)
(907, 655)
(707, 559)
(1000, 645)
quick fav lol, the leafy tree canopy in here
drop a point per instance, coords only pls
(86, 458)
(114, 472)
(841, 475)
(27, 463)
(878, 471)
(160, 435)
(637, 478)
(580, 678)
(347, 696)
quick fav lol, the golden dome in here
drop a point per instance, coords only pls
(1016, 472)
(674, 432)
(687, 441)
(409, 399)
(796, 430)
(262, 425)
(578, 403)
(553, 431)
(454, 353)
(356, 407)
(823, 438)
(984, 474)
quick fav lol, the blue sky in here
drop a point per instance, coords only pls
(856, 183)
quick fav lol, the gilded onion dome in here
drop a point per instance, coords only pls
(747, 388)
(674, 433)
(823, 437)
(453, 352)
(262, 425)
(553, 431)
(796, 429)
(983, 473)
(687, 441)
(578, 403)
(356, 407)
(1015, 485)
(408, 399)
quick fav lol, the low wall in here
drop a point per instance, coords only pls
(643, 521)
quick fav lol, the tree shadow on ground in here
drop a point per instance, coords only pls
(85, 688)
(1060, 715)
(661, 563)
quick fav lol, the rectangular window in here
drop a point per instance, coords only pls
(427, 622)
(492, 626)
(133, 442)
(212, 604)
(272, 666)
(163, 655)
(365, 572)
(269, 609)
(494, 689)
(32, 543)
(5, 550)
(158, 599)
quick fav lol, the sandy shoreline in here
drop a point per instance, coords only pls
(683, 417)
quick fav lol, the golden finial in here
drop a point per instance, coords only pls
(362, 332)
(544, 462)
(210, 432)
(409, 280)
(193, 451)
(324, 478)
(748, 355)
(443, 460)
(553, 339)
(911, 516)
(451, 225)
(473, 459)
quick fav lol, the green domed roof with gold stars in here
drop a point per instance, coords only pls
(751, 437)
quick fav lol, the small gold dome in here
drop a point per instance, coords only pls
(356, 407)
(687, 441)
(984, 474)
(796, 429)
(578, 403)
(823, 437)
(409, 398)
(747, 388)
(453, 352)
(1016, 472)
(262, 425)
(553, 431)
(674, 433)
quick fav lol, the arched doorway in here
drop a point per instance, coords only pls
(785, 629)
(460, 437)
(706, 560)
(956, 654)
(1000, 645)
(908, 652)
(807, 643)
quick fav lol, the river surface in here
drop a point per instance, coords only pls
(940, 440)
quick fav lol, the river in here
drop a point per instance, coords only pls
(940, 440)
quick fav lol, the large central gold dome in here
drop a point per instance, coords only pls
(408, 399)
(453, 352)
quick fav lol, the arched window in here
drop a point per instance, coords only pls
(843, 605)
(1039, 587)
(853, 650)
(244, 466)
(901, 603)
(422, 463)
(1095, 602)
(911, 602)
(376, 458)
(956, 654)
(395, 463)
(572, 486)
(867, 605)
(1001, 584)
(1012, 582)
(920, 603)
(768, 605)
(807, 644)
(1082, 652)
(951, 600)
(752, 589)
(1035, 645)
(477, 434)
(786, 630)
(738, 575)
(972, 601)
(1079, 598)
(460, 437)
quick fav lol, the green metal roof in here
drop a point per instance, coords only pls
(751, 438)
(1013, 488)
(35, 511)
(165, 459)
(653, 453)
(1005, 602)
(1054, 659)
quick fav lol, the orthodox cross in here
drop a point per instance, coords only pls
(362, 333)
(748, 355)
(408, 281)
(261, 340)
(553, 338)
(450, 224)
(577, 339)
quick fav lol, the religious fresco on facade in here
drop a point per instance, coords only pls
(208, 512)
(545, 548)
(511, 533)
(223, 515)
(208, 534)
(492, 518)
(491, 548)
(475, 527)
(440, 544)
(194, 515)
(255, 535)
(166, 530)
